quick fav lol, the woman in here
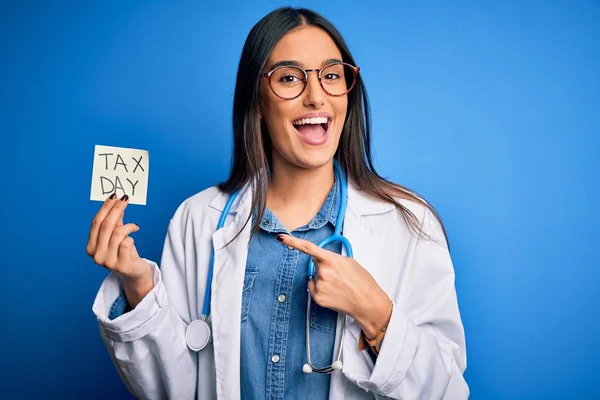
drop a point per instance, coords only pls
(300, 112)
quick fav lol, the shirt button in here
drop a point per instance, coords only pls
(266, 222)
(275, 358)
(281, 298)
(290, 247)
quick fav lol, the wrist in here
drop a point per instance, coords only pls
(376, 316)
(136, 289)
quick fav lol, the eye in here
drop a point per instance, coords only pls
(331, 76)
(290, 78)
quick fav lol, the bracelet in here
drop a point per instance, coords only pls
(374, 344)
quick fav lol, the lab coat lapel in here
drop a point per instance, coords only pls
(369, 252)
(226, 298)
(365, 245)
(369, 249)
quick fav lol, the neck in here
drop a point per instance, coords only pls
(296, 194)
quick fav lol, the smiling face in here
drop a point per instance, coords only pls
(305, 131)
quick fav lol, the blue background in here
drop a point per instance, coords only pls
(491, 110)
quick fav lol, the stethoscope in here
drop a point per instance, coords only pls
(198, 332)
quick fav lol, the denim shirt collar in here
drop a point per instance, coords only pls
(327, 213)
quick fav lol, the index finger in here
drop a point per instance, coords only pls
(304, 246)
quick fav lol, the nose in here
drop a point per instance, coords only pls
(314, 96)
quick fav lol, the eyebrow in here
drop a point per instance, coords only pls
(294, 63)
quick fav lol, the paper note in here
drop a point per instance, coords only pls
(122, 171)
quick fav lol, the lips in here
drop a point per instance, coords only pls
(313, 129)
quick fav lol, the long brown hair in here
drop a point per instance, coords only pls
(252, 146)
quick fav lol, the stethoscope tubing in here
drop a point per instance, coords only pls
(335, 237)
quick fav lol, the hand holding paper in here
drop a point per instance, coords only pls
(110, 245)
(119, 177)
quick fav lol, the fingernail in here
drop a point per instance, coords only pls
(280, 238)
(113, 196)
(124, 198)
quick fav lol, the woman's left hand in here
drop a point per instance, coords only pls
(343, 285)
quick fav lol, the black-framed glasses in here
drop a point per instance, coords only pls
(289, 81)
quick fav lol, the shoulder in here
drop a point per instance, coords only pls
(402, 216)
(198, 205)
(366, 204)
(426, 217)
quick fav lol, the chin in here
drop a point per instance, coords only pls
(307, 155)
(313, 159)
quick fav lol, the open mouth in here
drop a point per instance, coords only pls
(313, 130)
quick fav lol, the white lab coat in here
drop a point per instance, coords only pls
(423, 355)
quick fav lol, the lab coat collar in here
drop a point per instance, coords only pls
(239, 206)
(362, 204)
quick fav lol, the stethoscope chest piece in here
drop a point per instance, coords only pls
(197, 335)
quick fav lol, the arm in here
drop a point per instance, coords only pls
(423, 354)
(147, 344)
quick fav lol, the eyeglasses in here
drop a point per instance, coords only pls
(289, 82)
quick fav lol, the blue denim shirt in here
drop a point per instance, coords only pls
(274, 301)
(273, 315)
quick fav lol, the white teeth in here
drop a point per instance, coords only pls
(312, 121)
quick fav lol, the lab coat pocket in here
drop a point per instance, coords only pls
(251, 272)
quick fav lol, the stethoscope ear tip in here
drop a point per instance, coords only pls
(307, 369)
(337, 365)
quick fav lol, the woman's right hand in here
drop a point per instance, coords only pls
(110, 246)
